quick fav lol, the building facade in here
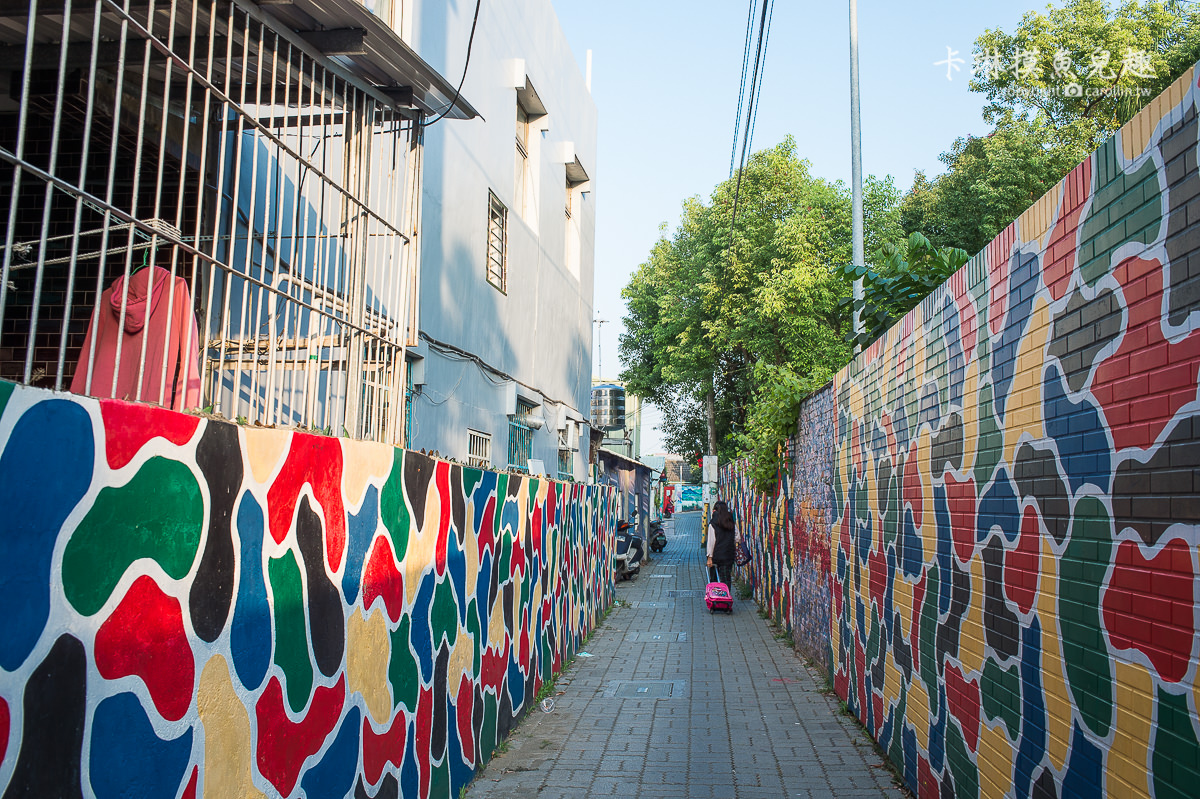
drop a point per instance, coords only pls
(500, 373)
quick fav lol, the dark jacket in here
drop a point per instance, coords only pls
(724, 548)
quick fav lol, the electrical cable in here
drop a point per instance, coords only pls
(467, 63)
(762, 71)
(737, 122)
(750, 109)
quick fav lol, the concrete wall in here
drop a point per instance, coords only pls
(540, 331)
(189, 608)
(1016, 474)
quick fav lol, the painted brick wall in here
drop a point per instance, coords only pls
(189, 608)
(1017, 485)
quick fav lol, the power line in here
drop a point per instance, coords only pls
(737, 122)
(750, 110)
(467, 63)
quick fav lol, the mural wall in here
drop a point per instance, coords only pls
(1015, 562)
(189, 608)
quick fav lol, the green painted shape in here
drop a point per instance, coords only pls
(487, 730)
(896, 747)
(6, 390)
(873, 639)
(962, 767)
(1082, 570)
(928, 633)
(1125, 207)
(473, 628)
(439, 780)
(1000, 690)
(159, 515)
(291, 634)
(471, 479)
(393, 509)
(1176, 757)
(403, 673)
(443, 614)
(990, 443)
(891, 511)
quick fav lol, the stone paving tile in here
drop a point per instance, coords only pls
(746, 720)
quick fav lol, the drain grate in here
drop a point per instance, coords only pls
(655, 638)
(685, 593)
(644, 689)
(641, 604)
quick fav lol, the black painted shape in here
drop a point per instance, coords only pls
(418, 471)
(494, 584)
(884, 486)
(508, 609)
(930, 412)
(441, 668)
(879, 442)
(515, 481)
(1178, 149)
(55, 708)
(326, 623)
(505, 718)
(900, 648)
(1001, 628)
(947, 785)
(1036, 475)
(878, 665)
(458, 503)
(477, 710)
(1151, 496)
(948, 633)
(219, 456)
(1081, 330)
(947, 447)
(1044, 787)
(389, 788)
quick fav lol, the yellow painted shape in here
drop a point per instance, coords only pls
(228, 745)
(1038, 218)
(1054, 683)
(471, 548)
(902, 601)
(496, 631)
(995, 760)
(1024, 409)
(1129, 755)
(893, 680)
(970, 417)
(1136, 134)
(917, 711)
(264, 450)
(970, 641)
(361, 461)
(368, 648)
(422, 542)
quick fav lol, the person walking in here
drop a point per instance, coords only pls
(721, 545)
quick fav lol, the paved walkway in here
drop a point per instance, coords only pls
(676, 702)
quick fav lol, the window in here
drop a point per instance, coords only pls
(520, 194)
(497, 256)
(408, 403)
(571, 253)
(565, 470)
(520, 437)
(479, 449)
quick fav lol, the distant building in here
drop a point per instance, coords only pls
(619, 414)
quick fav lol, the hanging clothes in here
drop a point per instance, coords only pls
(169, 334)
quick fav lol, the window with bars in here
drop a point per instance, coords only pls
(520, 436)
(497, 243)
(565, 470)
(479, 449)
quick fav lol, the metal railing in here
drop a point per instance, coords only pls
(202, 211)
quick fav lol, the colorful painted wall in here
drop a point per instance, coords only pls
(1015, 565)
(189, 608)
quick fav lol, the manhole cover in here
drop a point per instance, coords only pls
(640, 604)
(644, 689)
(655, 638)
(664, 576)
(685, 593)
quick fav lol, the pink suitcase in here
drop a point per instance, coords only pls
(717, 597)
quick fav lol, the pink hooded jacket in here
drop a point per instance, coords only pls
(146, 317)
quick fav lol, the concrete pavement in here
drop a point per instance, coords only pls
(673, 701)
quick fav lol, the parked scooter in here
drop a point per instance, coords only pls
(658, 538)
(630, 551)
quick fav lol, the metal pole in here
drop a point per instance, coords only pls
(856, 166)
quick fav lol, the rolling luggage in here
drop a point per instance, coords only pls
(717, 595)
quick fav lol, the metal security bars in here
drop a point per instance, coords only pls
(202, 211)
(520, 437)
(479, 449)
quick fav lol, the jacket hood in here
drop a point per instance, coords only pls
(143, 298)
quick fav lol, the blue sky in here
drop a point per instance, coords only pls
(665, 77)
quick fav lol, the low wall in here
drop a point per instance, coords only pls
(191, 608)
(1015, 581)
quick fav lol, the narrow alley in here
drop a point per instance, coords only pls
(672, 701)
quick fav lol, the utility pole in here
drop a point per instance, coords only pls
(599, 351)
(856, 169)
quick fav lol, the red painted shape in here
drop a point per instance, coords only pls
(492, 668)
(1148, 606)
(877, 574)
(487, 539)
(927, 783)
(382, 578)
(284, 745)
(962, 697)
(877, 704)
(841, 684)
(961, 499)
(5, 725)
(317, 462)
(551, 506)
(1021, 565)
(967, 322)
(424, 738)
(190, 791)
(145, 637)
(1059, 258)
(914, 633)
(913, 494)
(1148, 379)
(442, 481)
(535, 530)
(128, 426)
(464, 708)
(999, 251)
(860, 674)
(386, 747)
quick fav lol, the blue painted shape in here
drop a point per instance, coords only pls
(1023, 282)
(889, 594)
(937, 733)
(421, 635)
(410, 777)
(1031, 749)
(945, 546)
(951, 334)
(456, 571)
(908, 743)
(334, 774)
(461, 772)
(868, 705)
(1085, 768)
(483, 582)
(360, 529)
(45, 469)
(479, 497)
(250, 633)
(912, 555)
(127, 756)
(1079, 433)
(516, 681)
(999, 505)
